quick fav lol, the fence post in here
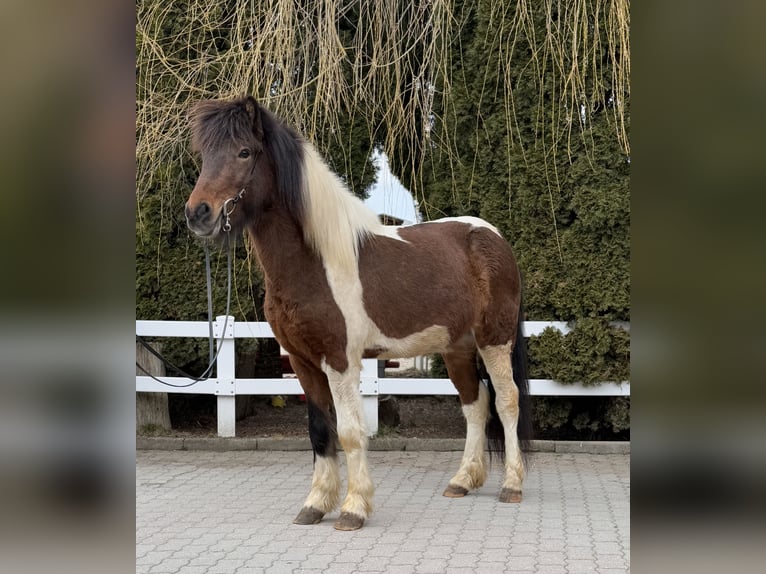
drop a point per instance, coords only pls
(368, 387)
(225, 386)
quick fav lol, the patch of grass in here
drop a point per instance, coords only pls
(153, 430)
(385, 431)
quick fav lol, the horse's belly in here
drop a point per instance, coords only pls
(434, 339)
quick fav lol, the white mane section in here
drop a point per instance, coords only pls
(336, 220)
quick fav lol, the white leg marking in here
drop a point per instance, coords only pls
(473, 470)
(497, 359)
(352, 433)
(325, 485)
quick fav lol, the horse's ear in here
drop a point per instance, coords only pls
(254, 111)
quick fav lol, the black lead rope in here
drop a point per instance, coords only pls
(213, 355)
(209, 283)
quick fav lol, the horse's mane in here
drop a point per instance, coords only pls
(334, 221)
(219, 123)
(337, 222)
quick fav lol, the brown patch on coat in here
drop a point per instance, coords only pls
(409, 287)
(461, 366)
(451, 274)
(373, 352)
(499, 284)
(299, 304)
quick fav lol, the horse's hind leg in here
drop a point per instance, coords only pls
(325, 484)
(474, 397)
(497, 360)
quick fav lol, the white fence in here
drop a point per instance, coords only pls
(226, 386)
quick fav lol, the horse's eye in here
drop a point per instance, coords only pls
(245, 153)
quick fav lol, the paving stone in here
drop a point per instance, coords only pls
(169, 565)
(581, 566)
(373, 564)
(431, 566)
(611, 561)
(579, 553)
(523, 563)
(461, 561)
(550, 557)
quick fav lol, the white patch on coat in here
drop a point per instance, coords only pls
(468, 220)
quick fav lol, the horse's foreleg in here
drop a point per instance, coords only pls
(475, 400)
(352, 433)
(497, 359)
(325, 484)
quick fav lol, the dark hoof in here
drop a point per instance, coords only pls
(510, 495)
(453, 491)
(348, 521)
(308, 515)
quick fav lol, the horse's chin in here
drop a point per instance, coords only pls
(215, 234)
(209, 233)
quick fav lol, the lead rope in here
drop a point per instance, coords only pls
(209, 283)
(213, 357)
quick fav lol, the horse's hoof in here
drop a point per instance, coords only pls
(348, 521)
(308, 515)
(510, 495)
(453, 491)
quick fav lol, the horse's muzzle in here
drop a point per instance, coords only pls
(201, 220)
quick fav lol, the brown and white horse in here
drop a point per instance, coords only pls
(340, 286)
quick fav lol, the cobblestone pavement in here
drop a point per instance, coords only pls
(232, 512)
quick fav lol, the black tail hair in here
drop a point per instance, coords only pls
(494, 428)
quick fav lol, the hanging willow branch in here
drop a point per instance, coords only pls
(381, 63)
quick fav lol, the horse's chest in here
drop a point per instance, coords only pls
(311, 327)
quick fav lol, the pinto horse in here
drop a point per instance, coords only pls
(340, 286)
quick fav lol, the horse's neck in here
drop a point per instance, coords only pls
(281, 248)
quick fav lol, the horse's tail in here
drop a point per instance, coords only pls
(494, 429)
(519, 366)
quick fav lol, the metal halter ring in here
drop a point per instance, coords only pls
(228, 211)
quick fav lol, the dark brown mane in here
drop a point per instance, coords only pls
(216, 123)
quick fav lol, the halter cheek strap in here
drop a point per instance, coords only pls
(231, 203)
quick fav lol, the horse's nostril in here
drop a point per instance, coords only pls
(199, 213)
(202, 211)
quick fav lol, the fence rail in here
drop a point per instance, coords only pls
(226, 386)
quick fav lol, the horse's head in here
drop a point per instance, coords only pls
(229, 137)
